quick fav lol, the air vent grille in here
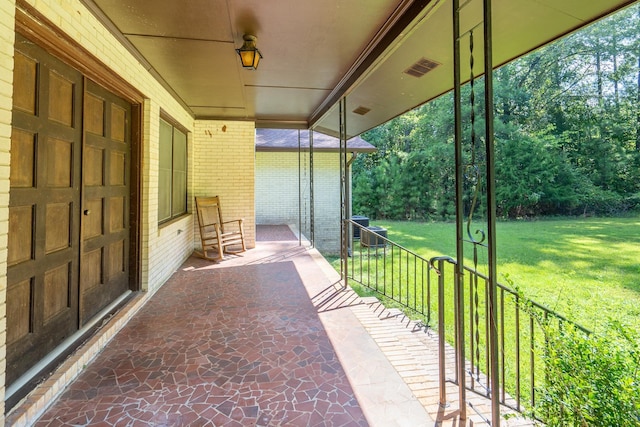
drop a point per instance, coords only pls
(362, 110)
(422, 67)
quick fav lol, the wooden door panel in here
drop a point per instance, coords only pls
(119, 123)
(23, 152)
(93, 114)
(25, 83)
(93, 159)
(20, 245)
(19, 311)
(105, 224)
(92, 222)
(117, 214)
(44, 205)
(59, 163)
(57, 290)
(58, 227)
(61, 104)
(116, 262)
(91, 270)
(117, 172)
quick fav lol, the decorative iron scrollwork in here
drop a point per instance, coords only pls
(472, 171)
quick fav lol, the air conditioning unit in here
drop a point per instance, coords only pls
(372, 237)
(360, 220)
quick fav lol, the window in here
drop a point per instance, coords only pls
(172, 179)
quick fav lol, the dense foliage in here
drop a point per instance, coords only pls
(589, 380)
(567, 135)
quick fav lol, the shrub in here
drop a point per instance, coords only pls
(590, 380)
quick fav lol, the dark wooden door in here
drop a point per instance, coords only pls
(44, 207)
(69, 205)
(104, 273)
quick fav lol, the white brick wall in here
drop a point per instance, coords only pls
(164, 248)
(225, 166)
(277, 201)
(7, 37)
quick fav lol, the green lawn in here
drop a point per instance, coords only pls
(587, 269)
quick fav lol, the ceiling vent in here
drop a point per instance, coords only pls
(422, 67)
(362, 110)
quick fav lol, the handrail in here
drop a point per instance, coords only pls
(405, 277)
(529, 301)
(391, 270)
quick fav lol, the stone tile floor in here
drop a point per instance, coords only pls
(235, 346)
(265, 338)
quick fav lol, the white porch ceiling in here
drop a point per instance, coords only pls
(315, 52)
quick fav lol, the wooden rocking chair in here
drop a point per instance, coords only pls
(215, 234)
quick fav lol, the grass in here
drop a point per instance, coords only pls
(587, 269)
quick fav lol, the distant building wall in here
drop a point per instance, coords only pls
(278, 178)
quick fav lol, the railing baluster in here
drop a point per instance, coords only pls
(441, 334)
(393, 264)
(428, 291)
(503, 396)
(415, 283)
(532, 366)
(472, 329)
(406, 279)
(517, 331)
(360, 253)
(380, 261)
(487, 331)
(399, 275)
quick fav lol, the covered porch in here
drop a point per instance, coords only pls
(169, 81)
(266, 338)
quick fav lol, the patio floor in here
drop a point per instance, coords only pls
(266, 338)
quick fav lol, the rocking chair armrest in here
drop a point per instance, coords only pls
(239, 221)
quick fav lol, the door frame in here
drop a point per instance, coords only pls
(34, 26)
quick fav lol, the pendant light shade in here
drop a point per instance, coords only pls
(249, 54)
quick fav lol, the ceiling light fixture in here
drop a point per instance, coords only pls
(249, 54)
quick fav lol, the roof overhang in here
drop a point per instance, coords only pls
(290, 140)
(316, 53)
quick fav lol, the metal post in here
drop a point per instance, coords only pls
(312, 224)
(441, 337)
(343, 191)
(491, 215)
(299, 191)
(459, 267)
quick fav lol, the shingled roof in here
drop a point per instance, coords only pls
(287, 140)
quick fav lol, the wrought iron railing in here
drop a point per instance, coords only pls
(458, 308)
(395, 272)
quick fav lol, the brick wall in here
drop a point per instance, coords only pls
(277, 189)
(170, 241)
(225, 166)
(221, 155)
(7, 13)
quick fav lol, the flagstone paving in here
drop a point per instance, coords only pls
(265, 338)
(231, 346)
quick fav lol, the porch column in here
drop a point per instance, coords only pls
(459, 267)
(344, 192)
(312, 224)
(491, 215)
